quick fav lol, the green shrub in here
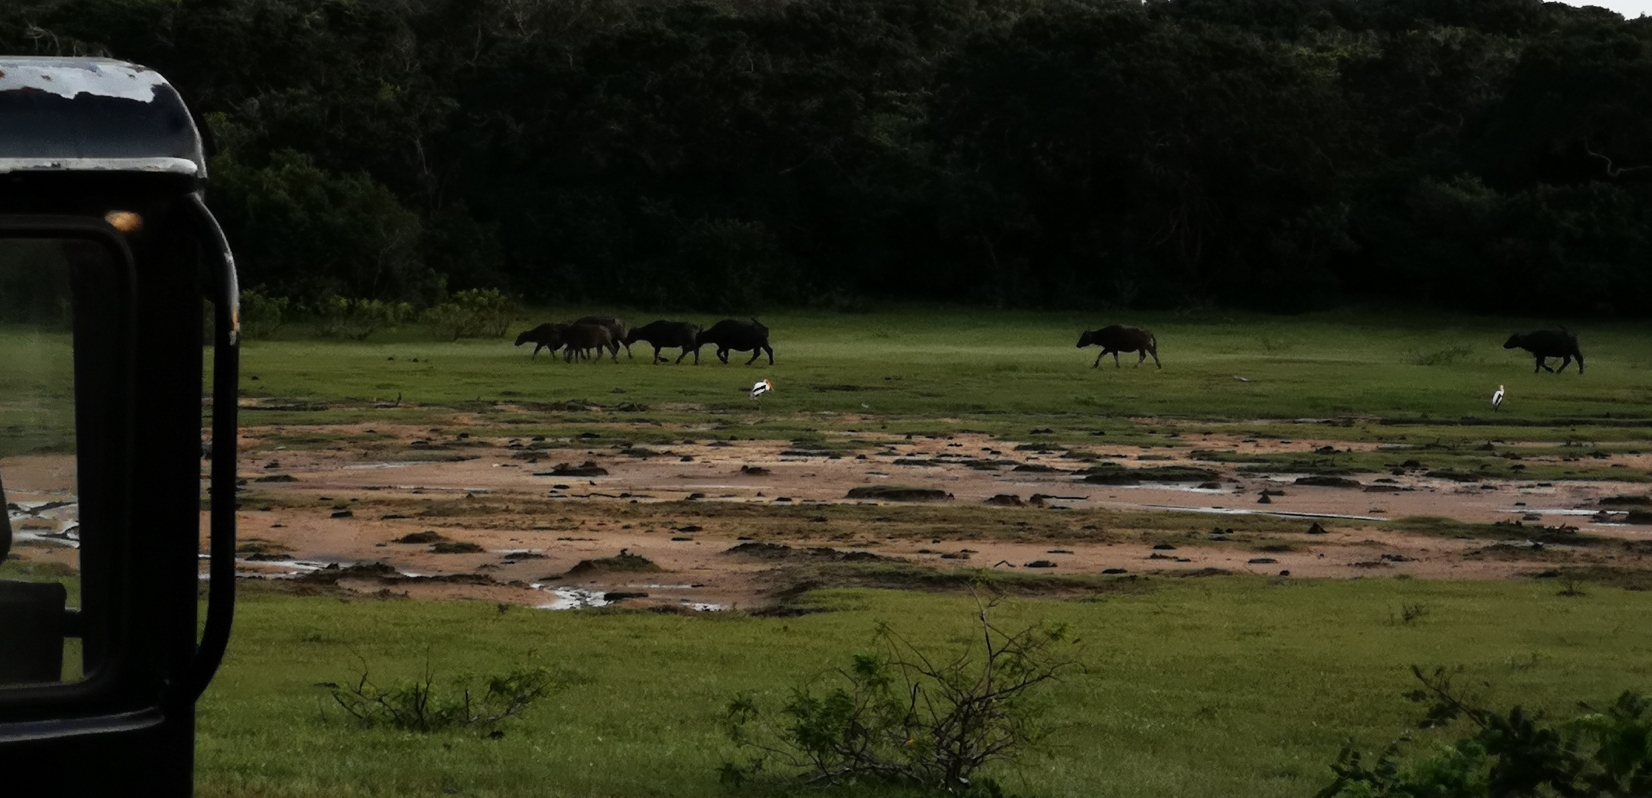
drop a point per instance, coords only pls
(424, 705)
(356, 319)
(473, 314)
(901, 715)
(262, 316)
(1601, 754)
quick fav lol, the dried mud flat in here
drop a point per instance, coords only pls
(512, 519)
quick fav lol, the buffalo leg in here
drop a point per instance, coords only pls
(1116, 359)
(722, 355)
(1156, 363)
(1565, 360)
(755, 353)
(536, 348)
(1098, 359)
(657, 356)
(1580, 363)
(1141, 357)
(771, 358)
(1543, 364)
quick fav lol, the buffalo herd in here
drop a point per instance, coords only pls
(600, 335)
(594, 336)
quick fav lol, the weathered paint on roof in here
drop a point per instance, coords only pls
(71, 77)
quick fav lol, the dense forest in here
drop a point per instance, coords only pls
(1272, 154)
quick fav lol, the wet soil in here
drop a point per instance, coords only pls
(683, 506)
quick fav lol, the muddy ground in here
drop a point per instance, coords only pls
(513, 518)
(710, 524)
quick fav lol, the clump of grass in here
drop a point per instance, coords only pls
(456, 547)
(1441, 357)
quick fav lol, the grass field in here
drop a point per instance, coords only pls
(1195, 686)
(1003, 372)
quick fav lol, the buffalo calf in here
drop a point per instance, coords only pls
(664, 334)
(616, 331)
(545, 336)
(579, 339)
(1117, 338)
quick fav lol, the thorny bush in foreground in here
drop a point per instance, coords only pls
(1605, 753)
(899, 714)
(424, 705)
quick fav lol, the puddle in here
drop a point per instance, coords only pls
(572, 598)
(1275, 513)
(371, 466)
(575, 598)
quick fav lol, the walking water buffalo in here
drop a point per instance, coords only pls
(616, 331)
(664, 334)
(740, 336)
(1116, 338)
(1544, 344)
(545, 336)
(579, 339)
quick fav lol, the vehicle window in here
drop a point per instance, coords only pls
(40, 534)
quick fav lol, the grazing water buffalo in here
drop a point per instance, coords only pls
(545, 336)
(740, 336)
(579, 339)
(1117, 338)
(1544, 344)
(667, 335)
(616, 331)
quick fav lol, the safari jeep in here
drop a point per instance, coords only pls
(106, 254)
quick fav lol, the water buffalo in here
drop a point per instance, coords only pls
(545, 336)
(1117, 338)
(579, 339)
(667, 335)
(1544, 344)
(740, 336)
(616, 331)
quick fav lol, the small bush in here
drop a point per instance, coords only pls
(1601, 754)
(262, 316)
(901, 715)
(473, 314)
(355, 319)
(423, 705)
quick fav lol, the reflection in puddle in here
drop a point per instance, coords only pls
(50, 522)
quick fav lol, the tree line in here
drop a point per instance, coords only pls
(721, 156)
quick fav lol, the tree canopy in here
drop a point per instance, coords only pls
(1276, 154)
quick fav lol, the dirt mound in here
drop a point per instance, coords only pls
(1325, 481)
(589, 468)
(456, 547)
(1641, 501)
(1114, 474)
(1006, 500)
(624, 561)
(898, 493)
(780, 551)
(427, 536)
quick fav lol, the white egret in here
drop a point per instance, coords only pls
(1497, 399)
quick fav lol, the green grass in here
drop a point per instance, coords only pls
(1214, 686)
(927, 370)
